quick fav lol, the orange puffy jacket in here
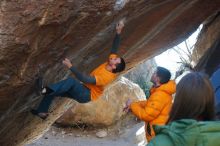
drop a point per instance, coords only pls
(155, 110)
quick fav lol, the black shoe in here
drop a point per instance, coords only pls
(39, 85)
(39, 80)
(41, 115)
(34, 112)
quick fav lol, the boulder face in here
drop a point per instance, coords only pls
(208, 45)
(142, 71)
(108, 109)
(36, 35)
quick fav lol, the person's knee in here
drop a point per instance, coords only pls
(71, 80)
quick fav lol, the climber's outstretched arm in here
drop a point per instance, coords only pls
(117, 39)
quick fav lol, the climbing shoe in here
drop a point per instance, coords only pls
(41, 115)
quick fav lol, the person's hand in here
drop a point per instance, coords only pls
(127, 107)
(119, 27)
(67, 63)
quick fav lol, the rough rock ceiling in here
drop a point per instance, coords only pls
(41, 33)
(208, 46)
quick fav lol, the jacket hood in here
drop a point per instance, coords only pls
(191, 132)
(169, 87)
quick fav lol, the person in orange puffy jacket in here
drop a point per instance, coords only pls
(155, 110)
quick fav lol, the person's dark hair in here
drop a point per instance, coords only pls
(120, 66)
(164, 74)
(194, 99)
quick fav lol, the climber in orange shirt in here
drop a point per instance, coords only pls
(85, 88)
(155, 110)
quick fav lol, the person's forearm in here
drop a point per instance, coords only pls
(141, 112)
(116, 43)
(82, 77)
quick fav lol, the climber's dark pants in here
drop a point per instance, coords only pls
(70, 88)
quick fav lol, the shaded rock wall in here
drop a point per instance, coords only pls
(208, 46)
(42, 32)
(141, 75)
(142, 71)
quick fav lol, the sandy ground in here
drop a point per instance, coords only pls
(78, 137)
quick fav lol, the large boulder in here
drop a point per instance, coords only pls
(37, 33)
(107, 109)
